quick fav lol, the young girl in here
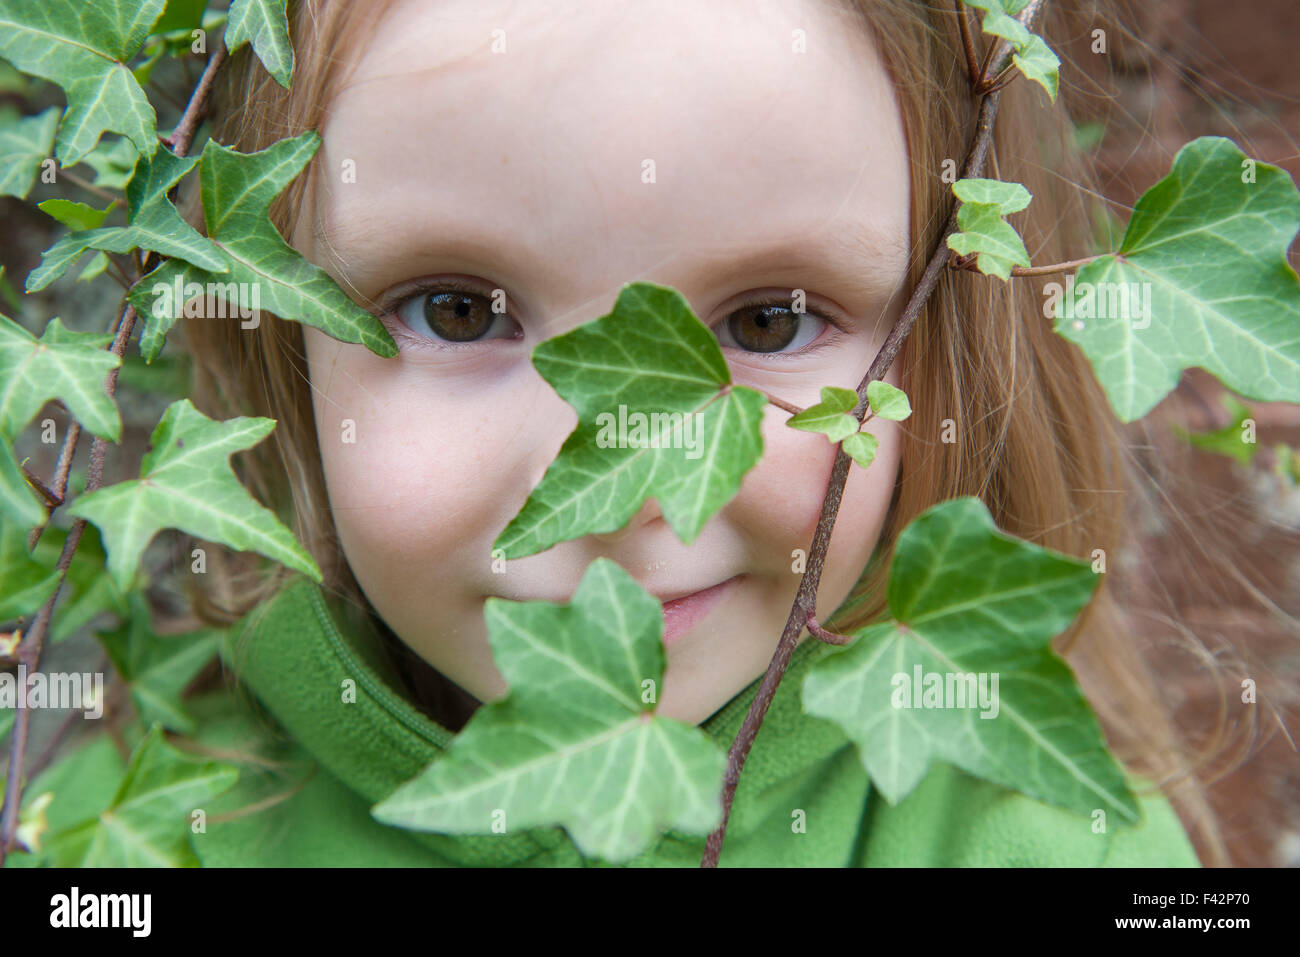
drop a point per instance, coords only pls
(736, 152)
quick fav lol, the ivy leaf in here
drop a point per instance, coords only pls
(1038, 63)
(186, 483)
(1201, 279)
(237, 188)
(574, 743)
(156, 668)
(180, 15)
(830, 416)
(983, 230)
(88, 590)
(1229, 440)
(1031, 55)
(155, 224)
(148, 822)
(74, 215)
(648, 357)
(84, 48)
(974, 610)
(264, 24)
(64, 365)
(113, 161)
(861, 446)
(999, 20)
(1007, 197)
(25, 583)
(25, 142)
(887, 401)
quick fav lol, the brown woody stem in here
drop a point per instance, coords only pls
(782, 404)
(804, 607)
(29, 650)
(830, 637)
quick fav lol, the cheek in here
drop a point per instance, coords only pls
(781, 499)
(417, 478)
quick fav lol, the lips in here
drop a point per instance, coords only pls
(682, 614)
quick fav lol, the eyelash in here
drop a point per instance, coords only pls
(392, 306)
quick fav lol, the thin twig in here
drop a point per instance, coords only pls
(830, 637)
(181, 137)
(1002, 79)
(29, 650)
(968, 44)
(804, 606)
(782, 404)
(59, 484)
(968, 263)
(51, 500)
(805, 599)
(89, 186)
(126, 281)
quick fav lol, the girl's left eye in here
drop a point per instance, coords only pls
(454, 315)
(768, 327)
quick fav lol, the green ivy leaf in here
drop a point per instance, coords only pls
(649, 356)
(25, 583)
(1229, 440)
(74, 215)
(861, 446)
(264, 24)
(829, 416)
(1007, 197)
(237, 188)
(113, 161)
(25, 142)
(983, 231)
(967, 599)
(999, 20)
(148, 822)
(1031, 55)
(94, 268)
(1038, 63)
(186, 483)
(180, 15)
(156, 668)
(84, 48)
(155, 224)
(64, 365)
(888, 402)
(1201, 279)
(574, 742)
(88, 589)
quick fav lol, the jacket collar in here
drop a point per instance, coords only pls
(333, 690)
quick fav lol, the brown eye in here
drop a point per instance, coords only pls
(457, 316)
(454, 315)
(768, 327)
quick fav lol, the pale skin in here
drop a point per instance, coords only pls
(523, 171)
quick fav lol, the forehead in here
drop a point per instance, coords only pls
(624, 133)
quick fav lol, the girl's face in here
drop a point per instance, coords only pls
(480, 146)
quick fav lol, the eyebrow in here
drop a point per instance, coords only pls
(861, 259)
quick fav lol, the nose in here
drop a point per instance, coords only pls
(648, 513)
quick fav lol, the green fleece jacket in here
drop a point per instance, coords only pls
(318, 763)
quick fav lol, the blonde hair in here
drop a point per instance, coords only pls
(1035, 438)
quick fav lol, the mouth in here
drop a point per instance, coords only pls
(684, 613)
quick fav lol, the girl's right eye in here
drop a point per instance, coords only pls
(454, 315)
